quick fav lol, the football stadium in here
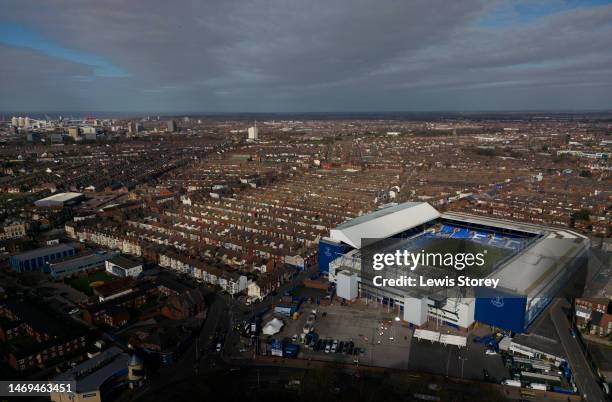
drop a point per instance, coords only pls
(531, 265)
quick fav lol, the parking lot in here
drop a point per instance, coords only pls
(380, 340)
(384, 342)
(469, 362)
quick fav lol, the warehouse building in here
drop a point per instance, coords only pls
(532, 263)
(80, 263)
(59, 200)
(38, 259)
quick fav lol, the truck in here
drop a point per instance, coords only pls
(562, 390)
(291, 351)
(512, 383)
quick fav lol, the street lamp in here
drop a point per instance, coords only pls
(463, 359)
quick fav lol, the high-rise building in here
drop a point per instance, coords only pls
(253, 134)
(73, 132)
(171, 126)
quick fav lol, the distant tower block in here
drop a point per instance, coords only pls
(171, 126)
(253, 133)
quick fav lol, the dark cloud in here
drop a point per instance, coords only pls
(290, 55)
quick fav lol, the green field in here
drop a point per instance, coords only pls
(456, 246)
(82, 283)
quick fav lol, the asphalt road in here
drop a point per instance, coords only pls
(585, 379)
(188, 363)
(222, 313)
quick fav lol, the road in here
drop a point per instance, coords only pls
(585, 379)
(222, 314)
(187, 364)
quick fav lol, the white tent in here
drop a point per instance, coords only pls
(459, 341)
(272, 327)
(427, 335)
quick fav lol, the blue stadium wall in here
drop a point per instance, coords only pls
(329, 250)
(500, 309)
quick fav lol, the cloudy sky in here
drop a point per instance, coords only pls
(304, 55)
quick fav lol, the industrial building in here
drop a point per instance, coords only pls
(59, 200)
(532, 263)
(38, 259)
(81, 263)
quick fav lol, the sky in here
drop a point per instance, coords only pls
(225, 56)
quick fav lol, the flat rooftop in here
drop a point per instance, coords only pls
(60, 197)
(92, 373)
(124, 262)
(41, 252)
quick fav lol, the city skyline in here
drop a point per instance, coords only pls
(293, 57)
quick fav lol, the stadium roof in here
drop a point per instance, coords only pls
(532, 269)
(493, 222)
(384, 223)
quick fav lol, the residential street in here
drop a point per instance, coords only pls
(585, 379)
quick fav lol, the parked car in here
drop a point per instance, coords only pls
(340, 347)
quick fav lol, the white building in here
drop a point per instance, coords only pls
(347, 286)
(123, 267)
(253, 133)
(12, 230)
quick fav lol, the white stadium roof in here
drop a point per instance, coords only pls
(384, 223)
